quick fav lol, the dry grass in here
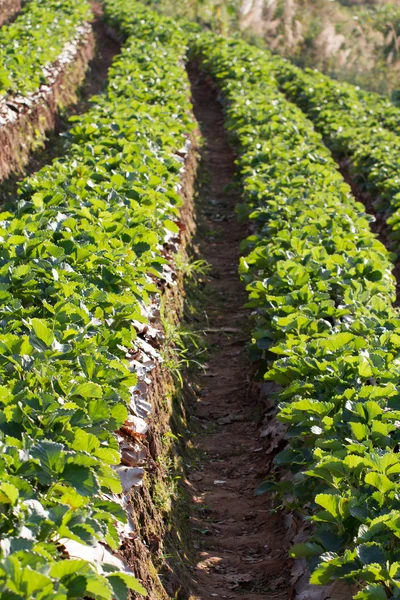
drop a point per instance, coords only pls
(351, 39)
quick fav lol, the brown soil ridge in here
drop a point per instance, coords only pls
(241, 545)
(8, 10)
(158, 547)
(24, 121)
(107, 47)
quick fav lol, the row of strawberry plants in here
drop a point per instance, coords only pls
(81, 256)
(321, 289)
(361, 106)
(368, 134)
(35, 40)
(128, 17)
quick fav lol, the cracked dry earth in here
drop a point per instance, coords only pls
(240, 543)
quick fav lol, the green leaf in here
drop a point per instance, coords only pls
(87, 390)
(381, 482)
(313, 406)
(131, 581)
(330, 503)
(8, 493)
(5, 395)
(82, 479)
(98, 587)
(372, 592)
(364, 367)
(120, 589)
(76, 585)
(119, 413)
(63, 568)
(171, 226)
(99, 411)
(42, 331)
(265, 486)
(323, 574)
(371, 553)
(50, 456)
(360, 431)
(23, 580)
(338, 341)
(352, 461)
(85, 442)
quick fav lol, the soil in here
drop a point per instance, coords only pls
(107, 47)
(241, 547)
(9, 10)
(159, 549)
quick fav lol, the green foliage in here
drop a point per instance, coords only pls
(321, 290)
(129, 17)
(82, 251)
(356, 124)
(35, 40)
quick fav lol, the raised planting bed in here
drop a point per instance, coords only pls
(44, 54)
(24, 120)
(87, 247)
(361, 129)
(325, 332)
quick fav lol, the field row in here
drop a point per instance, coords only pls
(325, 331)
(82, 251)
(355, 124)
(82, 257)
(35, 40)
(44, 54)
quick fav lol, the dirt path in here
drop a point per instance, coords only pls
(106, 49)
(241, 550)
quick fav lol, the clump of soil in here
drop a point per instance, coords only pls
(8, 10)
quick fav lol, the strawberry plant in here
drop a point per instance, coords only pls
(82, 252)
(321, 290)
(354, 124)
